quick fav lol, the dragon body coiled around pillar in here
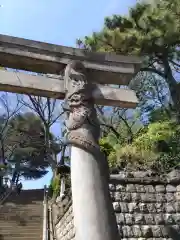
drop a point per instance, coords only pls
(82, 123)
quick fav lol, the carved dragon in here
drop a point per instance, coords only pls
(82, 124)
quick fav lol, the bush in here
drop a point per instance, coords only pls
(54, 187)
(131, 158)
(156, 147)
(155, 132)
(109, 151)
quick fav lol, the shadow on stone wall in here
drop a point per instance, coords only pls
(173, 233)
(1, 237)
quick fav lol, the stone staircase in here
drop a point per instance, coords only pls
(21, 216)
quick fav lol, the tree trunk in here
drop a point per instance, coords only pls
(173, 88)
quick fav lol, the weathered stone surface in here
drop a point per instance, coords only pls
(120, 218)
(126, 197)
(170, 197)
(160, 197)
(148, 197)
(120, 231)
(64, 229)
(149, 219)
(177, 206)
(136, 197)
(170, 188)
(177, 196)
(160, 207)
(168, 218)
(146, 231)
(121, 187)
(176, 218)
(112, 187)
(124, 175)
(139, 218)
(173, 176)
(129, 219)
(116, 206)
(127, 231)
(164, 231)
(133, 207)
(175, 227)
(143, 211)
(124, 207)
(170, 208)
(156, 231)
(130, 188)
(112, 194)
(178, 188)
(149, 188)
(159, 219)
(117, 196)
(151, 207)
(140, 188)
(160, 188)
(137, 231)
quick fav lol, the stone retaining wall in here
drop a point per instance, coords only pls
(65, 227)
(146, 207)
(63, 219)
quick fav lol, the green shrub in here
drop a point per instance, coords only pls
(54, 187)
(109, 151)
(132, 158)
(156, 147)
(155, 132)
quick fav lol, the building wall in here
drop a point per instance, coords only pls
(146, 207)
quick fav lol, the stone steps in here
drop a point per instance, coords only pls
(21, 216)
(18, 238)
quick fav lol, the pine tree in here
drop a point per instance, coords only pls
(152, 31)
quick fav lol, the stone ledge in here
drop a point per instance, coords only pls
(147, 238)
(145, 178)
(131, 219)
(148, 231)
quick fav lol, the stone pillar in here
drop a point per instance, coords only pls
(93, 212)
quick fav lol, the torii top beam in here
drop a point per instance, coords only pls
(105, 68)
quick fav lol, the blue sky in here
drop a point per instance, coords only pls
(58, 22)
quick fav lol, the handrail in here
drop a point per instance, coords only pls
(51, 223)
(45, 215)
(5, 196)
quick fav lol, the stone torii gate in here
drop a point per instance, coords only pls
(83, 85)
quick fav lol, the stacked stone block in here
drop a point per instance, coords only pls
(65, 227)
(63, 219)
(146, 207)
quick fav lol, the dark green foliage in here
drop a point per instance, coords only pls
(54, 187)
(151, 30)
(156, 147)
(23, 145)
